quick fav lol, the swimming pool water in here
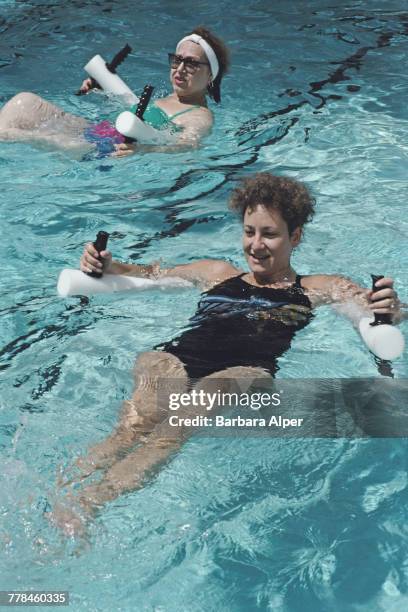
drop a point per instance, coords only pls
(317, 91)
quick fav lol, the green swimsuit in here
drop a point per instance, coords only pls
(159, 119)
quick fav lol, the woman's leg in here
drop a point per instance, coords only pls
(31, 118)
(156, 374)
(27, 111)
(132, 472)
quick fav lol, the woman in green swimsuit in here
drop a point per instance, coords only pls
(196, 70)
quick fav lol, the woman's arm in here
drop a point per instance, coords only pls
(196, 124)
(351, 299)
(207, 271)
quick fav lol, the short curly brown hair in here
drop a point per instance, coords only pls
(291, 198)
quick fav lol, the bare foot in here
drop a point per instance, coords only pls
(68, 520)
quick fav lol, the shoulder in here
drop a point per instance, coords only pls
(198, 117)
(202, 111)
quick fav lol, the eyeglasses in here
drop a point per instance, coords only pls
(190, 64)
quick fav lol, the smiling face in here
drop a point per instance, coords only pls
(267, 244)
(190, 81)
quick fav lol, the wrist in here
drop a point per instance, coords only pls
(116, 267)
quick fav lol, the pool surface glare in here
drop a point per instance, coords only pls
(317, 91)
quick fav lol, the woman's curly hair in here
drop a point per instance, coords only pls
(288, 196)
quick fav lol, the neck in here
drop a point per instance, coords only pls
(198, 99)
(284, 275)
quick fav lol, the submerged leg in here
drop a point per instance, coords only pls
(132, 472)
(139, 415)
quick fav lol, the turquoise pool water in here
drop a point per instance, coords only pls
(318, 91)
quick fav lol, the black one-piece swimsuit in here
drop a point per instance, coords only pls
(238, 324)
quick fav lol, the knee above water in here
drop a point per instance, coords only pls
(159, 364)
(25, 98)
(147, 360)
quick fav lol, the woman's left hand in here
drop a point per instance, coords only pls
(385, 301)
(124, 148)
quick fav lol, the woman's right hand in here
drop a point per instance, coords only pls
(92, 261)
(86, 85)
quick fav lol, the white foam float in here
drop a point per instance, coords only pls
(385, 341)
(109, 81)
(131, 126)
(75, 282)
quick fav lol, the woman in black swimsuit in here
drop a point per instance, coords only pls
(244, 322)
(240, 324)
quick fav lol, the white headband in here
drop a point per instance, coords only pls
(212, 58)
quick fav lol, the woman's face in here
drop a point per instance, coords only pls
(266, 241)
(190, 78)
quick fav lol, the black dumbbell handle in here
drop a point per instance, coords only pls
(111, 66)
(142, 105)
(119, 57)
(379, 319)
(100, 245)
